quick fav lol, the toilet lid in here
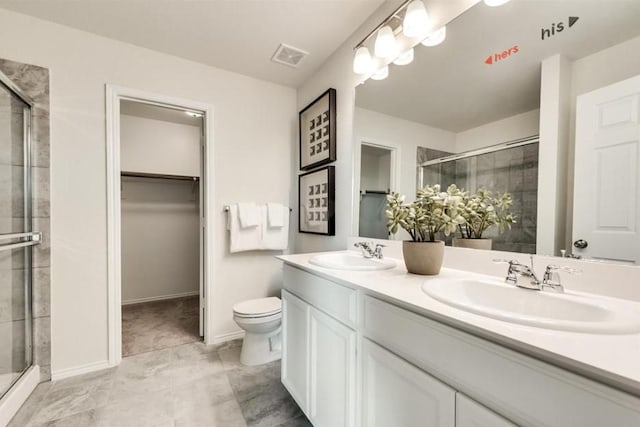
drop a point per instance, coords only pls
(258, 307)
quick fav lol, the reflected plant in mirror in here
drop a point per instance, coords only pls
(481, 211)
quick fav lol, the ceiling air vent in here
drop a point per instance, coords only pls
(288, 55)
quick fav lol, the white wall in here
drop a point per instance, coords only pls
(160, 239)
(337, 72)
(505, 130)
(254, 131)
(158, 146)
(405, 136)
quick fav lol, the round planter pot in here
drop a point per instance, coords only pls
(423, 257)
(472, 243)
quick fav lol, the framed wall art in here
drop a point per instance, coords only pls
(317, 128)
(316, 199)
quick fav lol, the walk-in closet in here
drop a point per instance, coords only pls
(161, 246)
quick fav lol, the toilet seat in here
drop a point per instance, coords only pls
(258, 308)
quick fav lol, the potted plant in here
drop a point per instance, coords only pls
(481, 211)
(433, 211)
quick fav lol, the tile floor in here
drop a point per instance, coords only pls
(155, 325)
(186, 385)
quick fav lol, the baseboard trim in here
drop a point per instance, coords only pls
(18, 394)
(79, 370)
(219, 339)
(160, 298)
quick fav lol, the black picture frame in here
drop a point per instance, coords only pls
(316, 202)
(317, 131)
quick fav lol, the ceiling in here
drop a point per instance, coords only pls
(451, 87)
(236, 35)
(155, 112)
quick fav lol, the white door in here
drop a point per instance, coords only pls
(332, 360)
(606, 208)
(295, 356)
(396, 393)
(203, 255)
(470, 413)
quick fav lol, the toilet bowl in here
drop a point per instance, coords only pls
(261, 320)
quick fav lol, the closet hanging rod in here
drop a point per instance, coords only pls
(227, 207)
(159, 176)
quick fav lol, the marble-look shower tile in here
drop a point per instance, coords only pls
(41, 192)
(42, 340)
(40, 141)
(42, 252)
(45, 372)
(41, 291)
(31, 79)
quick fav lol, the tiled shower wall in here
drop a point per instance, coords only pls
(34, 82)
(514, 170)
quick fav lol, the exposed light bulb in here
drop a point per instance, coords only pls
(404, 58)
(435, 38)
(381, 74)
(385, 46)
(494, 3)
(362, 61)
(416, 20)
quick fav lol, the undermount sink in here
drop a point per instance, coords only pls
(351, 261)
(569, 312)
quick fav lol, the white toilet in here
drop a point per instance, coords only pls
(261, 320)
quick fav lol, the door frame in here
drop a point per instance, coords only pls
(394, 176)
(115, 94)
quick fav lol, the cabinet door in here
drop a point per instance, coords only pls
(295, 356)
(332, 363)
(396, 393)
(470, 413)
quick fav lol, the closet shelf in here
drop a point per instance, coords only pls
(159, 176)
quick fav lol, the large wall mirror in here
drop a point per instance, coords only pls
(540, 99)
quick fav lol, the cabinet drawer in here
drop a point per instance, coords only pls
(336, 300)
(523, 389)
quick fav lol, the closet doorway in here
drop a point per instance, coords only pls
(160, 212)
(158, 196)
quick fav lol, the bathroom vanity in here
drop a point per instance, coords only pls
(373, 348)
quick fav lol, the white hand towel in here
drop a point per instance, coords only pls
(275, 238)
(242, 239)
(276, 215)
(249, 214)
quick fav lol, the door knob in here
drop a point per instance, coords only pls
(581, 244)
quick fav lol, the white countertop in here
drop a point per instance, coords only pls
(610, 359)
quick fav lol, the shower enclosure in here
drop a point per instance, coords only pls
(17, 237)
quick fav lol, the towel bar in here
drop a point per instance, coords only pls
(226, 209)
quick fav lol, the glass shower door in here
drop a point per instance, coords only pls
(16, 236)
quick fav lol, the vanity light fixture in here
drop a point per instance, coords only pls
(362, 62)
(416, 20)
(404, 58)
(494, 3)
(381, 74)
(385, 46)
(435, 38)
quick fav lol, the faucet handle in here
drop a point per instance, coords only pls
(570, 270)
(505, 261)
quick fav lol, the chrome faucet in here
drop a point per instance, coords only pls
(550, 279)
(369, 250)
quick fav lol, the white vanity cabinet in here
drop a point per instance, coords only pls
(470, 413)
(416, 371)
(396, 393)
(319, 349)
